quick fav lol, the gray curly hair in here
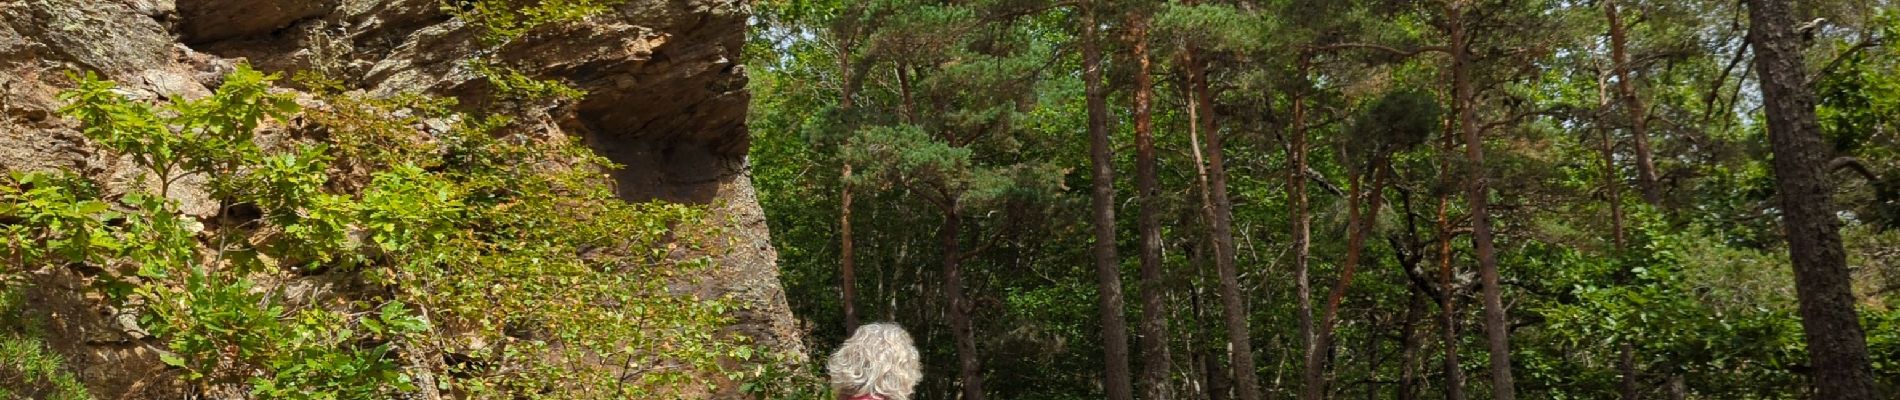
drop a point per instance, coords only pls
(878, 360)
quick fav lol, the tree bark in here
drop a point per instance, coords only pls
(969, 369)
(1637, 111)
(1373, 358)
(1302, 223)
(1612, 183)
(1837, 347)
(1497, 330)
(1359, 225)
(1107, 264)
(1207, 352)
(1626, 351)
(1156, 359)
(909, 111)
(847, 269)
(1626, 365)
(847, 254)
(1409, 344)
(1447, 311)
(1219, 209)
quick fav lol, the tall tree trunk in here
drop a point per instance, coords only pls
(960, 327)
(1496, 328)
(1638, 114)
(1359, 224)
(1447, 312)
(909, 110)
(1373, 358)
(1107, 264)
(1409, 344)
(1447, 293)
(1302, 223)
(1628, 386)
(1155, 360)
(847, 255)
(1219, 211)
(1837, 347)
(847, 270)
(1611, 181)
(1206, 351)
(1626, 366)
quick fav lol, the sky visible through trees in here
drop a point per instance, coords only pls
(1412, 199)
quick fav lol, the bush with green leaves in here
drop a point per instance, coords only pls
(504, 254)
(1689, 305)
(50, 217)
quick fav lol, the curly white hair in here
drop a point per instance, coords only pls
(877, 360)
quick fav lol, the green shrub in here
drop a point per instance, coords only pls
(503, 252)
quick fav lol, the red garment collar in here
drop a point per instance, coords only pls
(866, 397)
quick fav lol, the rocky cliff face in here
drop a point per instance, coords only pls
(665, 97)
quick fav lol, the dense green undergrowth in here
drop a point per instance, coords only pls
(369, 252)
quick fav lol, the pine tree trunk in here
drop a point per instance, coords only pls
(1359, 225)
(1373, 358)
(1156, 360)
(1302, 225)
(1837, 347)
(847, 255)
(847, 270)
(909, 111)
(1638, 114)
(1107, 264)
(1220, 222)
(960, 327)
(1447, 293)
(1447, 312)
(1626, 365)
(1626, 351)
(1614, 185)
(1496, 328)
(1208, 351)
(1409, 344)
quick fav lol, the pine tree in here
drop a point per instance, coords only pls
(1837, 346)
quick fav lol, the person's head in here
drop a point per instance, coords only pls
(878, 360)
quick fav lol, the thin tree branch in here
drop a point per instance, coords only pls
(1379, 47)
(1554, 112)
(1854, 164)
(981, 247)
(1851, 51)
(1315, 176)
(1715, 92)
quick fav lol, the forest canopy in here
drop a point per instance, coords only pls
(1341, 199)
